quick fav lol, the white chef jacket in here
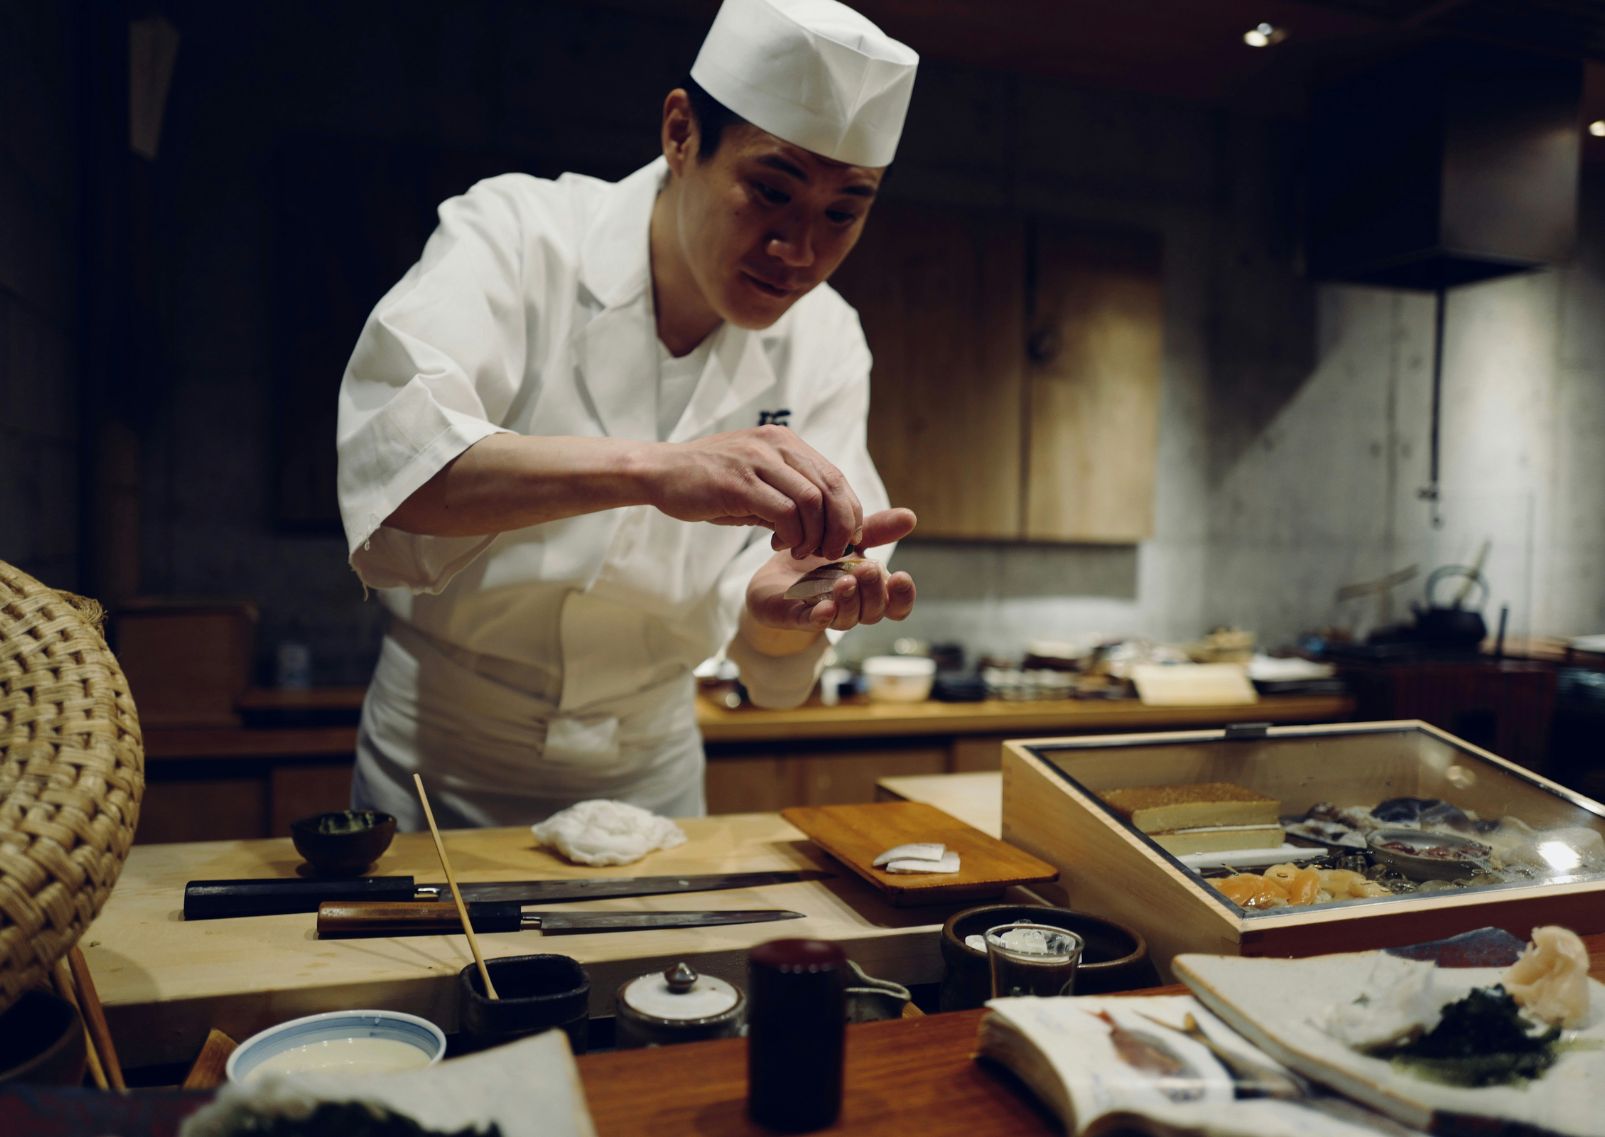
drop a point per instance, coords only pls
(533, 668)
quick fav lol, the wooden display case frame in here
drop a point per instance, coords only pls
(1109, 869)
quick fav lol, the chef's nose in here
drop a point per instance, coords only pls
(793, 246)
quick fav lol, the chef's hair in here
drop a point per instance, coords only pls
(711, 117)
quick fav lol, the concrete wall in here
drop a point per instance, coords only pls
(39, 255)
(1323, 490)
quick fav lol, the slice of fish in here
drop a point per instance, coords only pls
(815, 585)
(948, 863)
(920, 851)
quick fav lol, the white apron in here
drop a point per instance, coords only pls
(486, 727)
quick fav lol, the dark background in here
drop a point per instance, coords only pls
(174, 327)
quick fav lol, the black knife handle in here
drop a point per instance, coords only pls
(342, 919)
(213, 899)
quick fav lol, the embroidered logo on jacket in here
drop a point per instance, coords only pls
(778, 418)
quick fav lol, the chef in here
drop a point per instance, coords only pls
(599, 429)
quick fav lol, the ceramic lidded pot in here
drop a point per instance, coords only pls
(1115, 957)
(677, 1005)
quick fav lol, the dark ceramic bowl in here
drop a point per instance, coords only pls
(41, 1042)
(1115, 957)
(345, 842)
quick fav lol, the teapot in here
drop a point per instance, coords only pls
(1452, 625)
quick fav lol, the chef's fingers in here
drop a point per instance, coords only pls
(843, 514)
(900, 592)
(839, 515)
(816, 615)
(846, 595)
(803, 513)
(887, 525)
(774, 494)
(871, 578)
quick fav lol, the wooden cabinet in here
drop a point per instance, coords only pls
(1015, 390)
(941, 297)
(1092, 387)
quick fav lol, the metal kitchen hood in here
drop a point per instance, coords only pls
(1446, 164)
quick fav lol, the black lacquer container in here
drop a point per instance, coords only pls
(796, 1033)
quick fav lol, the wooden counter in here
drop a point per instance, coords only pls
(165, 981)
(975, 798)
(720, 724)
(207, 783)
(816, 755)
(813, 721)
(904, 1076)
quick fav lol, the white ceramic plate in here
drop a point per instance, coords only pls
(1276, 1003)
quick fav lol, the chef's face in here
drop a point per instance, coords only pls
(761, 222)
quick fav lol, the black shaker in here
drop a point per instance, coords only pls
(796, 1033)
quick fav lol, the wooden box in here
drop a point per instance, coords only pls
(1052, 808)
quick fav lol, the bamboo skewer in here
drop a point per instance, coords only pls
(64, 987)
(456, 895)
(95, 1016)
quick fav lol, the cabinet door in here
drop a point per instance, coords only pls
(940, 292)
(1092, 393)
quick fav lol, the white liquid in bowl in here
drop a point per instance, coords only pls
(345, 1056)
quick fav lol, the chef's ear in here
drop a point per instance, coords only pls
(679, 133)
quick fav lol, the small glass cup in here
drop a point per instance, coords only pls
(1032, 959)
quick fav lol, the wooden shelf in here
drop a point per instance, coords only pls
(230, 744)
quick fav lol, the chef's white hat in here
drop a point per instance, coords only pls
(813, 72)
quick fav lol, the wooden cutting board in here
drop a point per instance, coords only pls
(857, 834)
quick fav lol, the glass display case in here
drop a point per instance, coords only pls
(1294, 840)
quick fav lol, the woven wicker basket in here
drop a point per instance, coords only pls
(72, 769)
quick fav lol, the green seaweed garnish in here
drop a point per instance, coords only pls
(347, 1119)
(1480, 1040)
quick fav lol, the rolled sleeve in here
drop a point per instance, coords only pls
(437, 366)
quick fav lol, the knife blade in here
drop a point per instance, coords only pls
(215, 899)
(339, 919)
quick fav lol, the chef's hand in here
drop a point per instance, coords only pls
(764, 475)
(867, 595)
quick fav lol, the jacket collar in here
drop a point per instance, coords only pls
(618, 348)
(615, 258)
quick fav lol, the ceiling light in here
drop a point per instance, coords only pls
(1597, 128)
(1264, 35)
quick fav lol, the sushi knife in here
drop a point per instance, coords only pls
(338, 918)
(212, 899)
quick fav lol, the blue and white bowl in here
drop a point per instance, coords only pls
(336, 1030)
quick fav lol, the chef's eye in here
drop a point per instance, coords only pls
(770, 194)
(841, 216)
